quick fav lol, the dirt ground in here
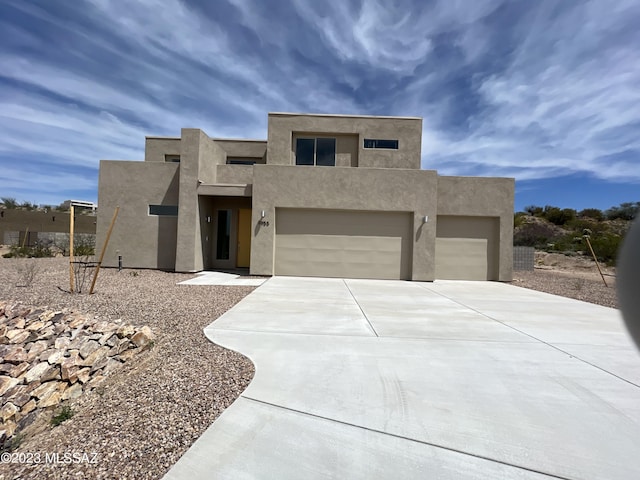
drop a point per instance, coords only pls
(575, 266)
(570, 276)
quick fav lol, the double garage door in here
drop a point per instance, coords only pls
(343, 243)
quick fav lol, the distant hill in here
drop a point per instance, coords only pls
(553, 229)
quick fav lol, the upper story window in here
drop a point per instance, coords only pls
(378, 143)
(316, 151)
(241, 161)
(163, 210)
(172, 158)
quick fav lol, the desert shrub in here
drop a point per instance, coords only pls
(593, 213)
(579, 224)
(534, 210)
(29, 206)
(64, 414)
(9, 202)
(12, 443)
(534, 235)
(83, 270)
(38, 250)
(84, 245)
(569, 214)
(569, 242)
(27, 272)
(518, 219)
(625, 211)
(558, 216)
(606, 247)
(84, 264)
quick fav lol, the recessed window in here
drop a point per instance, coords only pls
(316, 151)
(241, 161)
(172, 158)
(163, 210)
(378, 143)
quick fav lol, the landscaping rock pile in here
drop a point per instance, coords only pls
(48, 357)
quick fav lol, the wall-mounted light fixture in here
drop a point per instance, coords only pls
(262, 222)
(208, 219)
(426, 218)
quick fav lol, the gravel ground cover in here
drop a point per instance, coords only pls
(578, 285)
(149, 413)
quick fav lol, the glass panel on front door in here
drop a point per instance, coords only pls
(223, 236)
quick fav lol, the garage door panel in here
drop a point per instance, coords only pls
(467, 248)
(343, 244)
(336, 222)
(461, 258)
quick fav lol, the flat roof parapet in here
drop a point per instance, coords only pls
(238, 139)
(337, 115)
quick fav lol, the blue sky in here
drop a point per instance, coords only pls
(547, 92)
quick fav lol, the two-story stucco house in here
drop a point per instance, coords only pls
(324, 195)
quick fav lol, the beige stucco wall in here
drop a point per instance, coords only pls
(198, 163)
(143, 240)
(408, 132)
(16, 220)
(243, 148)
(482, 197)
(234, 174)
(210, 156)
(277, 186)
(155, 148)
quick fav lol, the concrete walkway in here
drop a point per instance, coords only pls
(366, 379)
(222, 278)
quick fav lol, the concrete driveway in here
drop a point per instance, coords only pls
(365, 379)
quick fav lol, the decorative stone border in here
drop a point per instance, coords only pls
(48, 357)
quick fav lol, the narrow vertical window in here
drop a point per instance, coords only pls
(223, 236)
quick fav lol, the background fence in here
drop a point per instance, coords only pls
(523, 258)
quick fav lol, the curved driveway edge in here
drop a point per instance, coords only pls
(391, 379)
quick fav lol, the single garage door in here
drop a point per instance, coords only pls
(467, 248)
(343, 243)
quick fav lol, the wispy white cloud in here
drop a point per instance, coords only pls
(567, 99)
(22, 179)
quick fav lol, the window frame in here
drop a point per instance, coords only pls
(223, 234)
(161, 210)
(375, 146)
(171, 158)
(315, 151)
(242, 160)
